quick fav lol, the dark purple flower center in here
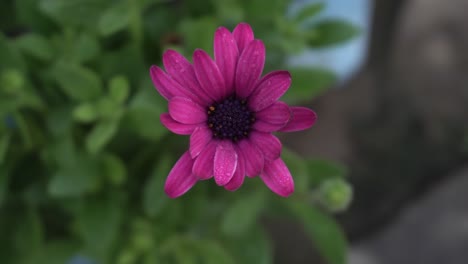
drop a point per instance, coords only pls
(230, 119)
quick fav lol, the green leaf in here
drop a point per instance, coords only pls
(85, 48)
(10, 56)
(4, 182)
(4, 144)
(29, 16)
(85, 113)
(57, 252)
(154, 198)
(76, 179)
(298, 168)
(29, 235)
(331, 32)
(114, 169)
(242, 215)
(36, 45)
(78, 82)
(212, 252)
(264, 11)
(198, 33)
(109, 109)
(323, 230)
(74, 12)
(309, 11)
(308, 83)
(142, 115)
(12, 82)
(114, 19)
(98, 223)
(119, 88)
(252, 248)
(321, 170)
(101, 134)
(229, 11)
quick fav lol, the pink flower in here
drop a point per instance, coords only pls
(230, 112)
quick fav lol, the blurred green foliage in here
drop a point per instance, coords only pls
(83, 157)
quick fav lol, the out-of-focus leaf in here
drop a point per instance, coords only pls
(119, 88)
(77, 82)
(180, 249)
(154, 198)
(85, 112)
(75, 12)
(57, 252)
(85, 48)
(229, 11)
(109, 109)
(12, 82)
(28, 15)
(101, 134)
(242, 215)
(4, 182)
(198, 33)
(309, 11)
(263, 11)
(128, 256)
(126, 61)
(59, 122)
(98, 223)
(10, 56)
(308, 83)
(321, 170)
(298, 168)
(142, 235)
(29, 236)
(76, 179)
(142, 116)
(36, 45)
(331, 32)
(114, 19)
(4, 143)
(252, 248)
(212, 252)
(114, 169)
(323, 231)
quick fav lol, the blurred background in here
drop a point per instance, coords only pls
(380, 179)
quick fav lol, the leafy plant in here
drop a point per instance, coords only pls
(83, 156)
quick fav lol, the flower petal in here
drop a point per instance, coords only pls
(272, 118)
(249, 68)
(239, 176)
(243, 34)
(204, 163)
(176, 127)
(226, 55)
(269, 90)
(200, 137)
(253, 158)
(169, 88)
(180, 178)
(301, 118)
(182, 72)
(162, 82)
(225, 162)
(268, 144)
(278, 178)
(186, 111)
(209, 76)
